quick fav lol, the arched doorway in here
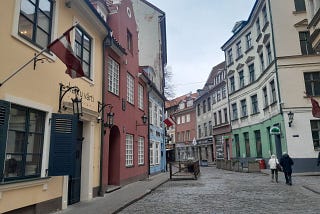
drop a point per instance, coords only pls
(114, 157)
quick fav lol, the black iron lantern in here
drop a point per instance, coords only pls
(144, 118)
(77, 106)
(109, 122)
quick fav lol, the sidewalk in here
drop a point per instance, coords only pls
(119, 199)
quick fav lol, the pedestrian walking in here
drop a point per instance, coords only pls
(318, 159)
(286, 163)
(273, 161)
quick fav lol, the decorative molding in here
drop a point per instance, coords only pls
(266, 38)
(240, 65)
(231, 72)
(302, 23)
(249, 59)
(259, 48)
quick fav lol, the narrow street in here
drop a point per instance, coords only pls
(219, 191)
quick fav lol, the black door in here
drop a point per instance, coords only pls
(74, 186)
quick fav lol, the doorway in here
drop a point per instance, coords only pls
(74, 183)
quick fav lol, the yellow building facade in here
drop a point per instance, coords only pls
(29, 104)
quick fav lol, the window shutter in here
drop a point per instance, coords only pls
(62, 144)
(4, 118)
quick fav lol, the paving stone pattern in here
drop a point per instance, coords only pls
(220, 191)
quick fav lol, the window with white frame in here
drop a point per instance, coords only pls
(187, 135)
(232, 85)
(160, 117)
(224, 92)
(130, 89)
(113, 76)
(312, 83)
(241, 79)
(183, 119)
(157, 153)
(315, 131)
(243, 104)
(239, 51)
(155, 114)
(129, 150)
(35, 21)
(230, 58)
(265, 97)
(261, 62)
(188, 118)
(258, 27)
(141, 151)
(252, 73)
(234, 111)
(254, 103)
(269, 54)
(178, 120)
(151, 152)
(140, 96)
(273, 92)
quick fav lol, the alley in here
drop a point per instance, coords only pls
(219, 191)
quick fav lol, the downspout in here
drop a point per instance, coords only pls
(275, 58)
(148, 93)
(101, 190)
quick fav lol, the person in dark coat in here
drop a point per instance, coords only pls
(286, 162)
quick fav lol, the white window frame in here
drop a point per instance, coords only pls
(151, 150)
(130, 88)
(141, 151)
(140, 96)
(187, 118)
(129, 150)
(113, 76)
(157, 151)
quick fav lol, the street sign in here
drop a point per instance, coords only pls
(194, 142)
(274, 130)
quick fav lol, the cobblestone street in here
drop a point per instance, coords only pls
(220, 191)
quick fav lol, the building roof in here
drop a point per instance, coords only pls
(213, 73)
(176, 101)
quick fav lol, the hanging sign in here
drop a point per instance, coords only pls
(274, 130)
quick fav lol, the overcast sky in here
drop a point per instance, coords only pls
(196, 30)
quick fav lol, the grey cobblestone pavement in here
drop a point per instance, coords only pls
(220, 191)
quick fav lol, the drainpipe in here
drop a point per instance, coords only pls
(101, 190)
(275, 57)
(148, 93)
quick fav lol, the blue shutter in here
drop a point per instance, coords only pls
(4, 118)
(62, 144)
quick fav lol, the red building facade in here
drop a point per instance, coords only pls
(125, 146)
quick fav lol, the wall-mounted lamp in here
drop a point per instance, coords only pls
(290, 116)
(76, 102)
(110, 115)
(144, 119)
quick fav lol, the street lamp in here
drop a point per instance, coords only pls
(76, 102)
(144, 119)
(110, 115)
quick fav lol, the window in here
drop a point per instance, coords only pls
(251, 73)
(234, 111)
(141, 151)
(218, 96)
(188, 118)
(199, 131)
(182, 105)
(239, 51)
(257, 136)
(151, 152)
(261, 62)
(130, 89)
(188, 135)
(243, 104)
(247, 143)
(83, 50)
(113, 76)
(129, 150)
(204, 106)
(190, 103)
(241, 79)
(232, 86)
(269, 54)
(209, 103)
(215, 119)
(210, 128)
(254, 103)
(35, 21)
(230, 58)
(265, 97)
(23, 157)
(140, 97)
(205, 128)
(273, 92)
(265, 16)
(183, 119)
(155, 115)
(258, 27)
(225, 112)
(305, 44)
(178, 120)
(220, 116)
(315, 131)
(224, 92)
(129, 41)
(300, 5)
(198, 109)
(151, 112)
(312, 83)
(160, 117)
(157, 153)
(248, 41)
(236, 139)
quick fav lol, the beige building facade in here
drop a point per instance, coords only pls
(30, 122)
